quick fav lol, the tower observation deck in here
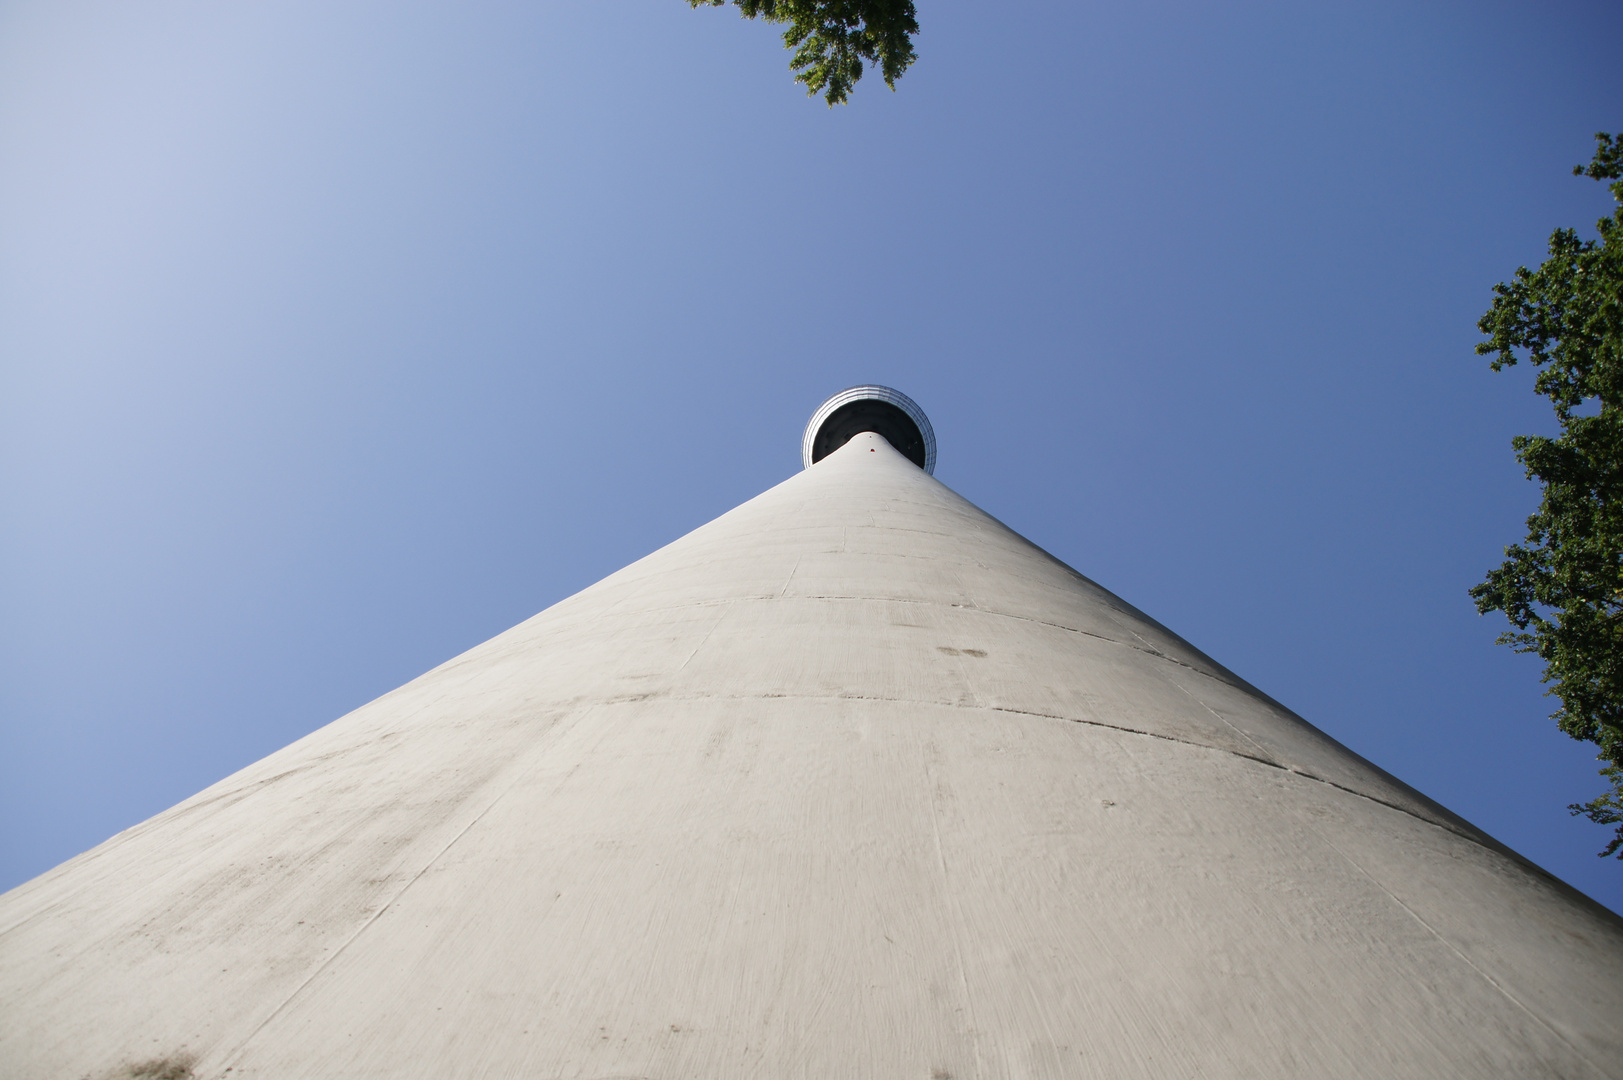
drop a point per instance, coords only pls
(852, 781)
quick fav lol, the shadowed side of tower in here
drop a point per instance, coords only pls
(852, 780)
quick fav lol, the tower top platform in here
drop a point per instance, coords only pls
(875, 408)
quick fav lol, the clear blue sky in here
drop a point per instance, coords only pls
(336, 338)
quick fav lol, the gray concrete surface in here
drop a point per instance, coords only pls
(851, 782)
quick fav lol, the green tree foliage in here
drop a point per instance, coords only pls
(1562, 587)
(832, 38)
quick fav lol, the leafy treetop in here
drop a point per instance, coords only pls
(832, 38)
(1562, 587)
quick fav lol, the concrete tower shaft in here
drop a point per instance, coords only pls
(851, 781)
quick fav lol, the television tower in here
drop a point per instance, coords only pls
(853, 781)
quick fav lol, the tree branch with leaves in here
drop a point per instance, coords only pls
(1562, 587)
(832, 39)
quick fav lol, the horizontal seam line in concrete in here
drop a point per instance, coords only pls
(1146, 650)
(1287, 769)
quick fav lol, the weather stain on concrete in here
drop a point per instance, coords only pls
(177, 1066)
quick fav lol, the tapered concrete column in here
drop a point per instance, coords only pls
(851, 781)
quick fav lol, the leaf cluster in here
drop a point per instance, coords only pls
(1562, 587)
(831, 39)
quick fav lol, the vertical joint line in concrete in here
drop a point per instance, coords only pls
(956, 915)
